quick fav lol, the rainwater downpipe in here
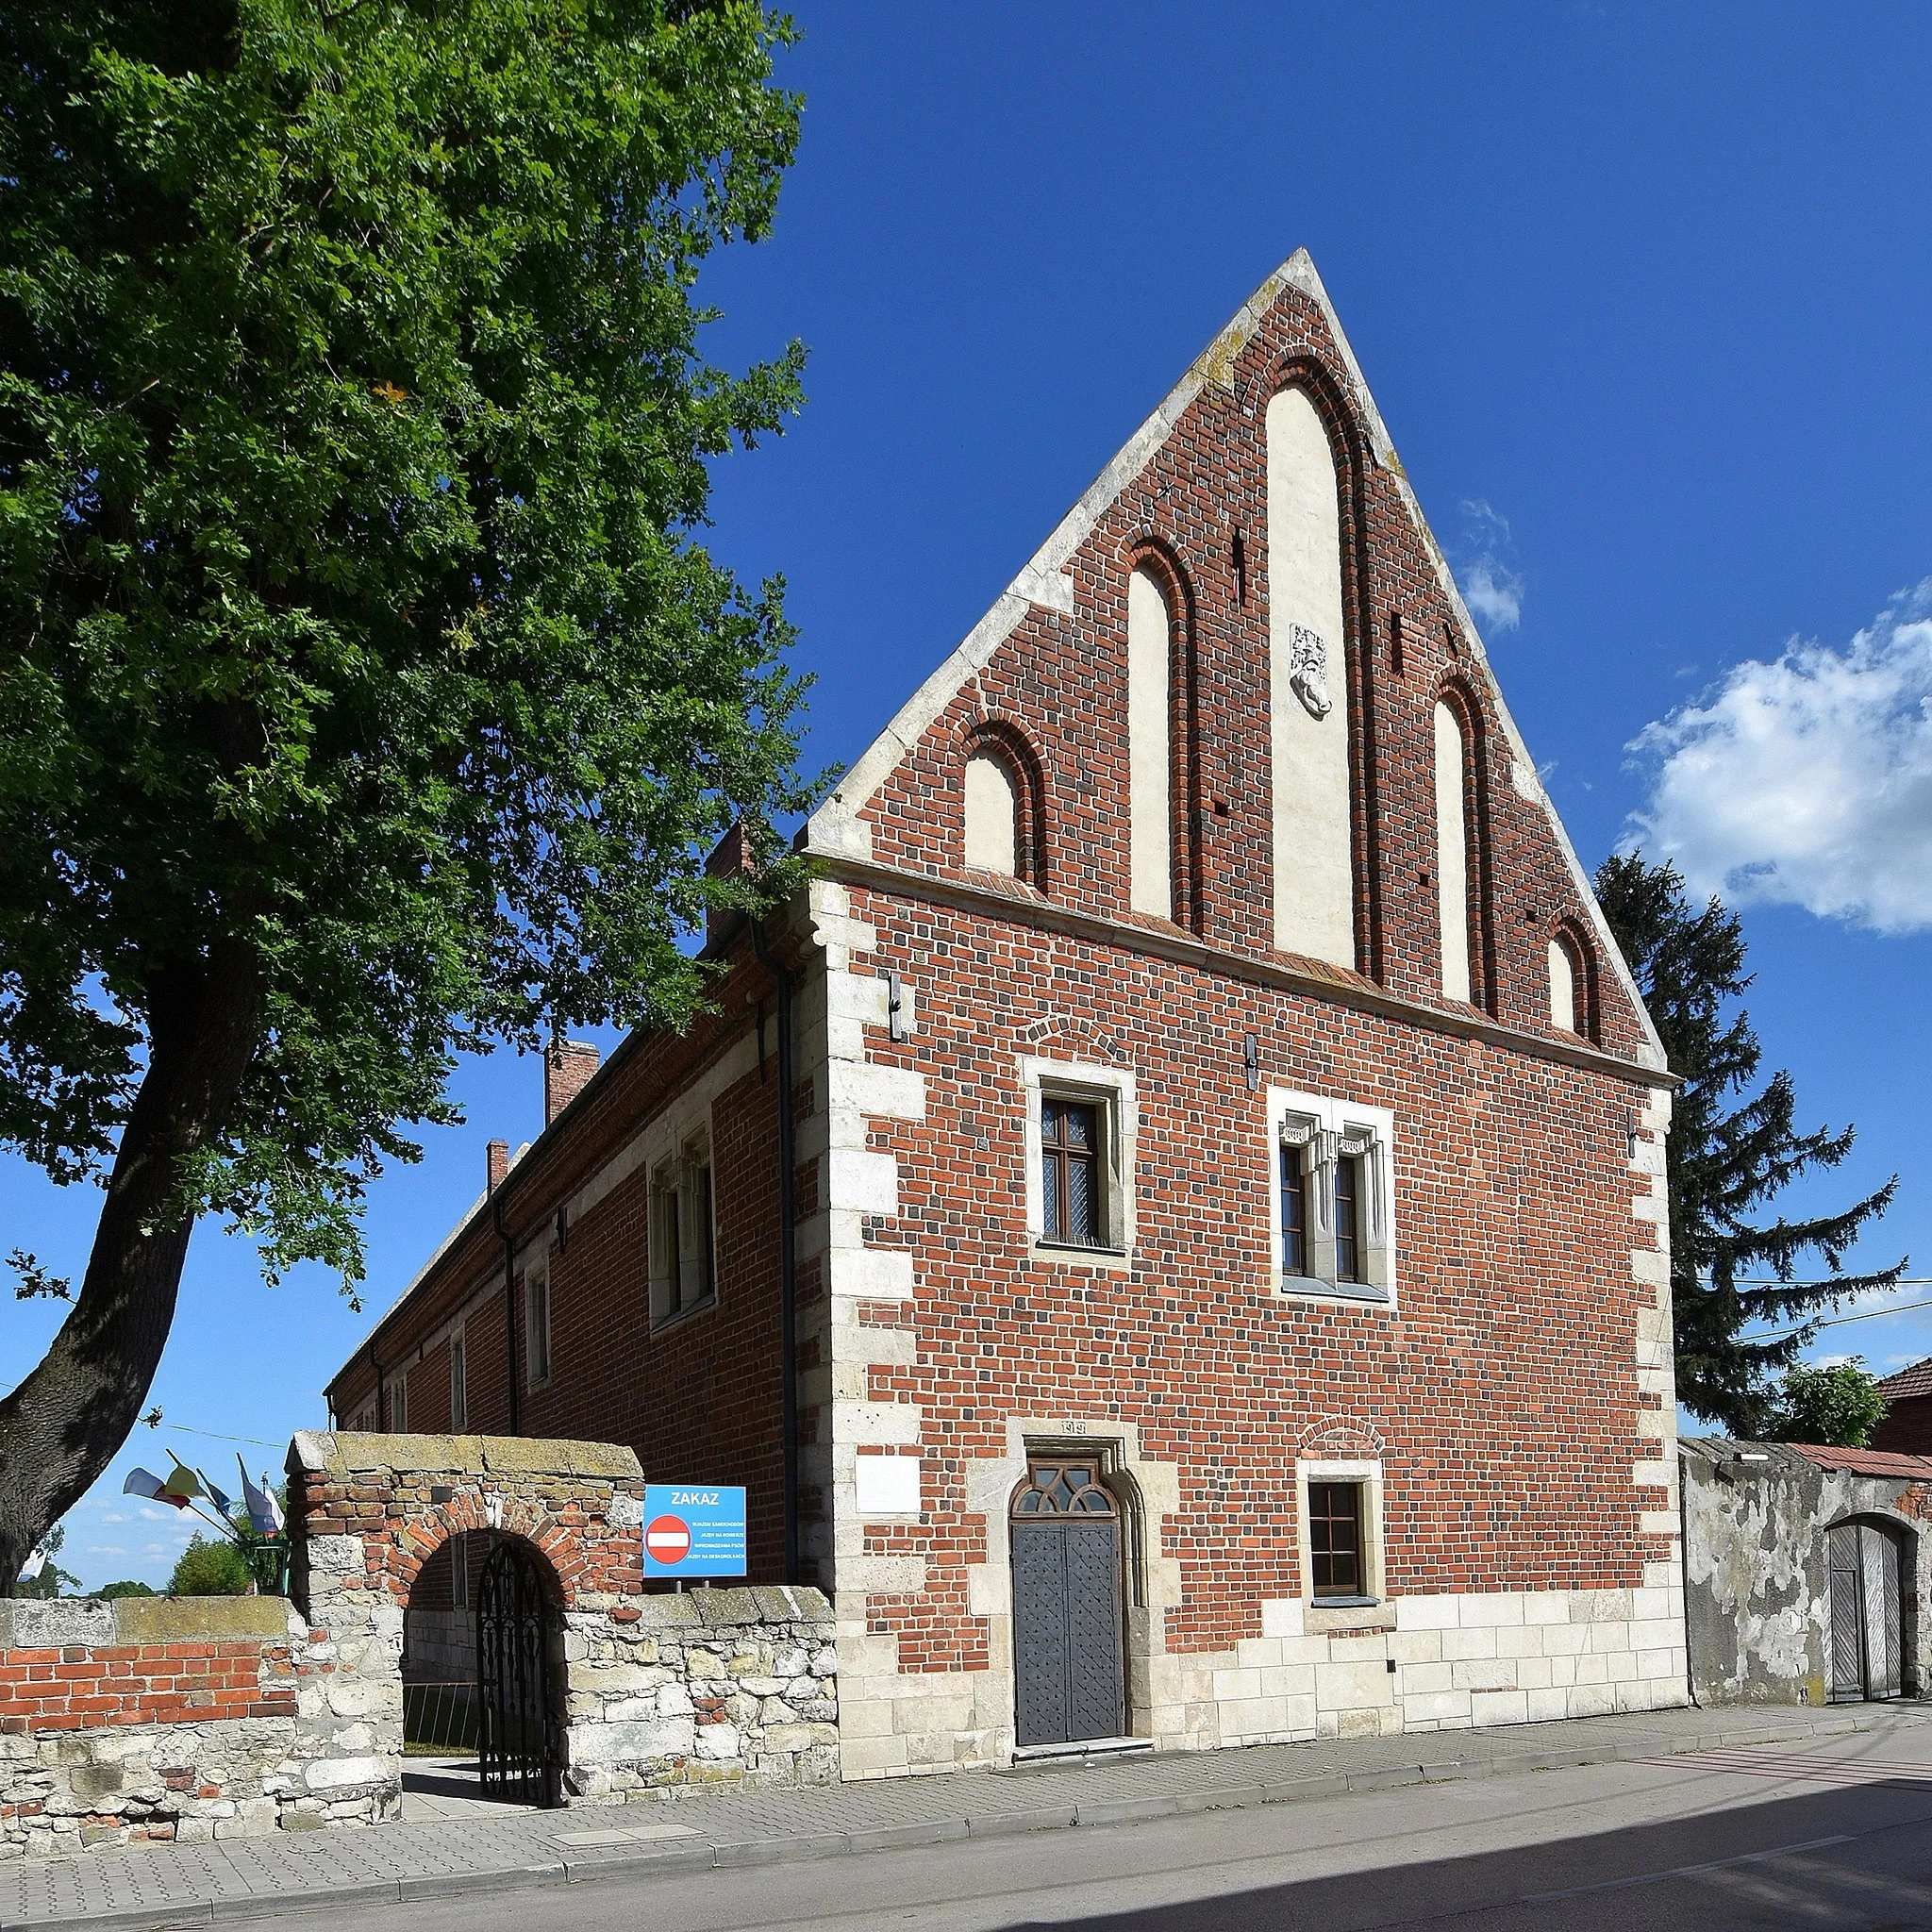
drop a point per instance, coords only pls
(788, 1257)
(510, 1304)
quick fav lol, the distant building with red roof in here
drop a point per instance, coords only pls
(1907, 1424)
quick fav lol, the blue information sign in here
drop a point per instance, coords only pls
(693, 1529)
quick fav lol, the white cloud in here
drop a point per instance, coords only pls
(1806, 780)
(105, 1550)
(1491, 587)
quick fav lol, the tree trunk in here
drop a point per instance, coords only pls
(62, 1426)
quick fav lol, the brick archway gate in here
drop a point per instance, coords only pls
(653, 1689)
(373, 1517)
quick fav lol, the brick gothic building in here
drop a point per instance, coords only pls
(1220, 1147)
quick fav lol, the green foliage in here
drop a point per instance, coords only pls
(1726, 1161)
(206, 1569)
(1837, 1408)
(109, 1592)
(354, 444)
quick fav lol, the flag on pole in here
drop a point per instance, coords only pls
(182, 1486)
(140, 1483)
(214, 1495)
(262, 1511)
(33, 1566)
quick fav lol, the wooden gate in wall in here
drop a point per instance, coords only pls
(1866, 1634)
(1067, 1637)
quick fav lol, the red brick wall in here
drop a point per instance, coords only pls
(1503, 1389)
(84, 1687)
(1907, 1426)
(1060, 682)
(697, 1400)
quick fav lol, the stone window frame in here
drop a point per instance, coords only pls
(1115, 1090)
(1366, 1473)
(682, 1259)
(1331, 1128)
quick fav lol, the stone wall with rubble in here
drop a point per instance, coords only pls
(707, 1686)
(216, 1717)
(184, 1718)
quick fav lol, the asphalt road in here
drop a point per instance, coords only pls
(1839, 1835)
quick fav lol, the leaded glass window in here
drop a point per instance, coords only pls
(1295, 1213)
(1069, 1177)
(1348, 1170)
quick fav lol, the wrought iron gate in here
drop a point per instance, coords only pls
(516, 1751)
(1866, 1637)
(1066, 1607)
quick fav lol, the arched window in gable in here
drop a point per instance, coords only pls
(1570, 1004)
(1004, 803)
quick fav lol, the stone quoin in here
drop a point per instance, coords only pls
(1193, 1159)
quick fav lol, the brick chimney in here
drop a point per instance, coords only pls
(730, 856)
(495, 1165)
(568, 1065)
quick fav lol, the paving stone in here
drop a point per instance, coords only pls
(237, 1879)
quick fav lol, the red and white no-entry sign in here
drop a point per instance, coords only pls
(668, 1539)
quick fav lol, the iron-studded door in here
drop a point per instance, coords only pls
(516, 1749)
(1066, 1606)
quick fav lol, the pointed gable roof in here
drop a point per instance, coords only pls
(836, 828)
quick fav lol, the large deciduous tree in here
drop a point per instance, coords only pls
(366, 694)
(1732, 1150)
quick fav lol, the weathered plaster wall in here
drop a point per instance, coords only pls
(1755, 1591)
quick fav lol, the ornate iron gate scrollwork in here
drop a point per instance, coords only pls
(516, 1748)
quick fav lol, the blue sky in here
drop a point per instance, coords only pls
(1644, 296)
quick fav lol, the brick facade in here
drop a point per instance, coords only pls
(1509, 1406)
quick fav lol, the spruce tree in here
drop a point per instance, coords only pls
(1733, 1147)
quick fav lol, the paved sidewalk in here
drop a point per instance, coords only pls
(457, 1848)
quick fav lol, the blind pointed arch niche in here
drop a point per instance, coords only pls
(992, 815)
(1314, 879)
(1452, 850)
(1150, 750)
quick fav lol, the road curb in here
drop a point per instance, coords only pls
(799, 1847)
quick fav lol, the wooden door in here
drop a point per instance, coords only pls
(1846, 1634)
(1067, 1660)
(1866, 1636)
